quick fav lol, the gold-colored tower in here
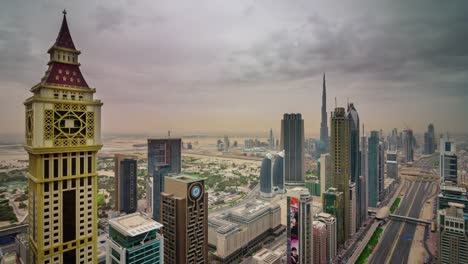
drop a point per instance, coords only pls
(63, 136)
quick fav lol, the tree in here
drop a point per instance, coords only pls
(22, 205)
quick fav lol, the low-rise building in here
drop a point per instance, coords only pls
(266, 256)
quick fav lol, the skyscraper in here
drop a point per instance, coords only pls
(448, 161)
(184, 215)
(278, 172)
(340, 163)
(325, 171)
(164, 151)
(352, 208)
(324, 124)
(393, 144)
(392, 164)
(429, 140)
(266, 177)
(134, 239)
(333, 203)
(453, 234)
(408, 145)
(320, 243)
(128, 201)
(292, 141)
(300, 228)
(373, 169)
(63, 136)
(355, 159)
(330, 223)
(381, 171)
(364, 177)
(154, 188)
(271, 140)
(118, 158)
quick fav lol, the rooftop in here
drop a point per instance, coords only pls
(185, 178)
(134, 224)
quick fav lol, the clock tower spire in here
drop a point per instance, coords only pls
(63, 137)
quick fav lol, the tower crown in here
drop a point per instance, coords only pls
(64, 39)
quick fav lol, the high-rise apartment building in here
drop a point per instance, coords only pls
(266, 177)
(364, 177)
(325, 171)
(352, 208)
(118, 177)
(392, 164)
(299, 229)
(373, 169)
(340, 163)
(63, 137)
(133, 239)
(453, 234)
(324, 123)
(355, 159)
(127, 193)
(184, 215)
(450, 193)
(409, 145)
(448, 161)
(330, 223)
(292, 141)
(320, 243)
(333, 203)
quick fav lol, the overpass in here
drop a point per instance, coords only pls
(13, 229)
(409, 219)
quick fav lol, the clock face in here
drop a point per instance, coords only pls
(72, 124)
(196, 191)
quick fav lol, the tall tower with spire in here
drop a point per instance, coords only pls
(324, 124)
(63, 137)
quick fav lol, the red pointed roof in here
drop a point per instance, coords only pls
(64, 39)
(62, 74)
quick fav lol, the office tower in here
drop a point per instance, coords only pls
(325, 171)
(429, 140)
(352, 208)
(271, 140)
(63, 136)
(400, 140)
(299, 228)
(392, 164)
(128, 201)
(155, 186)
(320, 243)
(134, 238)
(184, 215)
(164, 151)
(448, 161)
(278, 172)
(266, 177)
(237, 231)
(381, 171)
(330, 223)
(248, 143)
(373, 169)
(355, 160)
(292, 141)
(453, 234)
(408, 145)
(340, 162)
(118, 158)
(323, 123)
(333, 203)
(393, 144)
(226, 144)
(364, 177)
(450, 193)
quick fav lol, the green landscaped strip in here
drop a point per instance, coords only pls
(395, 205)
(370, 246)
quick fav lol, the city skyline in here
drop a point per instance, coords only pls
(238, 71)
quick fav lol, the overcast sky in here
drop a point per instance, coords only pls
(231, 66)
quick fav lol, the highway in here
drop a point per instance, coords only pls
(395, 244)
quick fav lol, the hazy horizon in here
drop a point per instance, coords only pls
(235, 67)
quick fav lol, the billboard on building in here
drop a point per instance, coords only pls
(293, 230)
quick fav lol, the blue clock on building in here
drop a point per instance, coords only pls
(196, 191)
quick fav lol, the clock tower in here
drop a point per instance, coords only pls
(63, 137)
